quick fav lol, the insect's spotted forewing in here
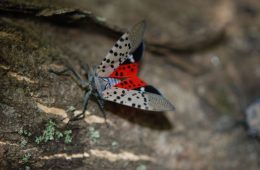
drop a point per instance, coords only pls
(121, 51)
(138, 99)
(121, 64)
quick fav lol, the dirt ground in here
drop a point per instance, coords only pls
(203, 56)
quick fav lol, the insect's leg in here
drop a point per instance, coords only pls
(71, 72)
(85, 104)
(101, 106)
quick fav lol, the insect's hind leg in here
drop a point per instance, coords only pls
(75, 75)
(101, 106)
(85, 104)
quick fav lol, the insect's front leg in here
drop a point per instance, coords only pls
(85, 104)
(75, 75)
(101, 105)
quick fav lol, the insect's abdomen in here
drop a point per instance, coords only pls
(104, 83)
(112, 82)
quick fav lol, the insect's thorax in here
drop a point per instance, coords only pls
(96, 82)
(100, 84)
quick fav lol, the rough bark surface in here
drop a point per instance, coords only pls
(203, 55)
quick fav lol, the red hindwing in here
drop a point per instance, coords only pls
(131, 83)
(125, 70)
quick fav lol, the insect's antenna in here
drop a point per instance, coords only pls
(86, 68)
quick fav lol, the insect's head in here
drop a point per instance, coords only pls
(92, 72)
(94, 68)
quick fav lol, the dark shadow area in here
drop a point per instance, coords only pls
(152, 120)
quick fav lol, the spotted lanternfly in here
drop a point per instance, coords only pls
(116, 80)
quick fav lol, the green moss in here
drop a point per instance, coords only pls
(67, 136)
(93, 134)
(141, 167)
(52, 133)
(24, 132)
(23, 142)
(114, 144)
(26, 157)
(27, 168)
(224, 102)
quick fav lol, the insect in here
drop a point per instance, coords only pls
(115, 78)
